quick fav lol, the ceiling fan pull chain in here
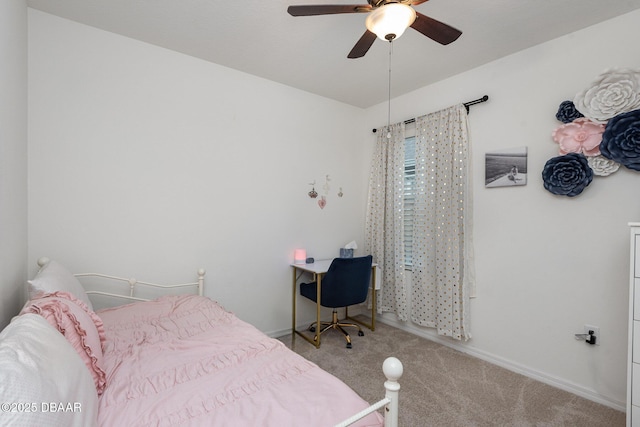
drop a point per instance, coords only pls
(389, 105)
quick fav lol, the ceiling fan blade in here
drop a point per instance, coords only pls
(416, 2)
(329, 9)
(363, 45)
(435, 30)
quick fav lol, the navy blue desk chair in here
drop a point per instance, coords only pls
(345, 283)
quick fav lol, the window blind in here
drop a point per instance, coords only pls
(409, 197)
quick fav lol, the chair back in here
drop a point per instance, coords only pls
(346, 282)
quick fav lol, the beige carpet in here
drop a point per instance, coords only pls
(444, 387)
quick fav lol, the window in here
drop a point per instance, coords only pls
(409, 197)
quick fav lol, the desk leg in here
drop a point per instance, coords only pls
(318, 325)
(293, 310)
(373, 298)
(294, 332)
(371, 325)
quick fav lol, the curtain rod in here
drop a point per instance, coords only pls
(466, 105)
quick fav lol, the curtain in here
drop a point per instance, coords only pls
(442, 259)
(384, 221)
(442, 274)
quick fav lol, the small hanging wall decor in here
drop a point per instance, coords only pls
(322, 201)
(313, 193)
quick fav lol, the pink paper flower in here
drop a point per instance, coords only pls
(580, 136)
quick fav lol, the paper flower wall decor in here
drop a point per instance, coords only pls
(567, 112)
(579, 136)
(602, 166)
(567, 175)
(621, 140)
(613, 92)
(600, 131)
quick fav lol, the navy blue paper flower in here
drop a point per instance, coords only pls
(567, 175)
(567, 112)
(621, 140)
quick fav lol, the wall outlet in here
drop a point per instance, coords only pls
(596, 332)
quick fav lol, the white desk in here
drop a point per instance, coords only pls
(318, 269)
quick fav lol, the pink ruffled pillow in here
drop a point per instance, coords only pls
(82, 328)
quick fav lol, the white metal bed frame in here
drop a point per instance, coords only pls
(392, 367)
(134, 282)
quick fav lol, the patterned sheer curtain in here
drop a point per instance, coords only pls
(384, 236)
(442, 274)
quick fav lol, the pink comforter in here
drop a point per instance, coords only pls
(184, 360)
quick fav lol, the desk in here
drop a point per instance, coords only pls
(318, 269)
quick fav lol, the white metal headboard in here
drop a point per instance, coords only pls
(134, 282)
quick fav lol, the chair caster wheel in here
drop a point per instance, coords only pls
(348, 345)
(360, 333)
(312, 328)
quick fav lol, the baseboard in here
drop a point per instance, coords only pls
(507, 364)
(279, 333)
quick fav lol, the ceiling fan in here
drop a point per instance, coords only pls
(387, 20)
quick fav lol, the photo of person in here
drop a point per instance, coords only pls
(506, 168)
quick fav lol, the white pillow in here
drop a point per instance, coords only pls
(43, 381)
(53, 277)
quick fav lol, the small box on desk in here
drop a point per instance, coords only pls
(346, 253)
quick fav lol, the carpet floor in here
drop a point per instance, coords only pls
(444, 387)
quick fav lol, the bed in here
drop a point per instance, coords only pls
(177, 360)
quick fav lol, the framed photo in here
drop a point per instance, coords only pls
(506, 168)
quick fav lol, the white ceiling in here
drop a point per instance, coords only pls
(259, 37)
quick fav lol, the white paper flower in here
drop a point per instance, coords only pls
(602, 166)
(613, 92)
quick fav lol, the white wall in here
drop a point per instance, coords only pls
(546, 265)
(13, 156)
(146, 162)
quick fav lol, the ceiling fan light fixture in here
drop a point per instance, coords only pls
(388, 22)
